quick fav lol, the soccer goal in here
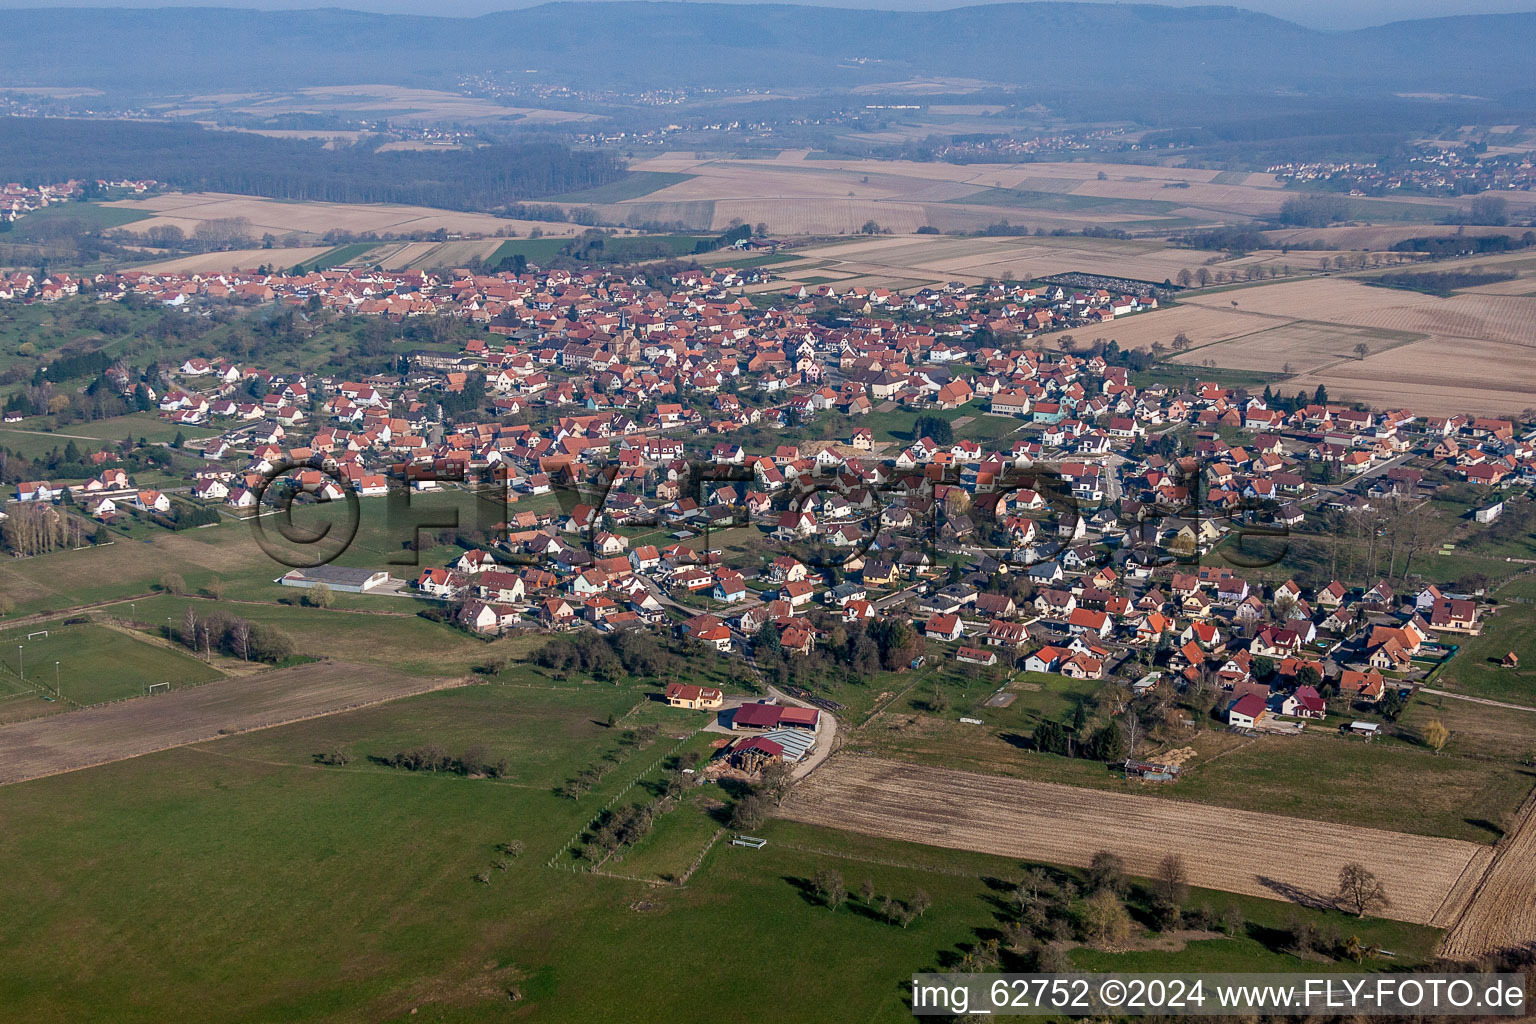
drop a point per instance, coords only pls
(154, 688)
(39, 633)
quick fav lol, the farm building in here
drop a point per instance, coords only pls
(755, 754)
(775, 716)
(351, 581)
(756, 716)
(796, 742)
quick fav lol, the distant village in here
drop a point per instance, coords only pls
(17, 200)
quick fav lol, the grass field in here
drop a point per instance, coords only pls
(31, 439)
(1475, 669)
(533, 249)
(239, 879)
(94, 216)
(339, 255)
(97, 663)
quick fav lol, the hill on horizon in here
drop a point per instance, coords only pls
(1058, 46)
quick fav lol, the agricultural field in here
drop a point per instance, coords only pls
(909, 261)
(390, 102)
(130, 728)
(1502, 914)
(308, 220)
(1428, 879)
(796, 194)
(1433, 355)
(240, 259)
(249, 881)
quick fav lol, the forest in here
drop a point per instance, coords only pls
(43, 150)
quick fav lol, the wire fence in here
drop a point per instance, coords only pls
(591, 823)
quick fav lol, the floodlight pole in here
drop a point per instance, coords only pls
(56, 691)
(22, 665)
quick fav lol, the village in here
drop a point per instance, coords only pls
(1083, 529)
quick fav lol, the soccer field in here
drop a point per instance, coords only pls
(92, 663)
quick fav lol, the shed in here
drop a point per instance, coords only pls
(795, 743)
(1370, 730)
(799, 718)
(750, 755)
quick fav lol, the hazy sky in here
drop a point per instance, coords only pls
(1332, 14)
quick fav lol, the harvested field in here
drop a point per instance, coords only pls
(187, 210)
(115, 732)
(1502, 912)
(1322, 298)
(814, 195)
(941, 258)
(238, 259)
(1436, 356)
(1429, 880)
(1437, 376)
(392, 101)
(1308, 346)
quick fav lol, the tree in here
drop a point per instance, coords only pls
(1106, 744)
(1185, 278)
(749, 811)
(937, 428)
(240, 638)
(1359, 890)
(1050, 738)
(1391, 704)
(172, 583)
(1203, 275)
(829, 888)
(766, 641)
(919, 903)
(1107, 871)
(1181, 342)
(1362, 350)
(188, 634)
(1435, 735)
(318, 596)
(1104, 920)
(1172, 880)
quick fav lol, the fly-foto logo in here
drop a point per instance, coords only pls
(1023, 516)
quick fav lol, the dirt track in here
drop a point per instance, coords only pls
(1503, 912)
(1427, 879)
(113, 732)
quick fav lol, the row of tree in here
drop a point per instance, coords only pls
(241, 638)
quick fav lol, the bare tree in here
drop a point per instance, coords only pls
(829, 888)
(1172, 880)
(1359, 890)
(240, 633)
